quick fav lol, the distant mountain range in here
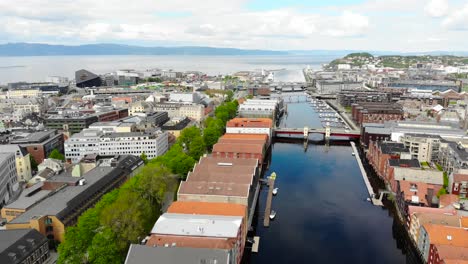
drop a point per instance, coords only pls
(34, 49)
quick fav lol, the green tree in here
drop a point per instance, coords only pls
(72, 250)
(33, 163)
(55, 154)
(229, 95)
(144, 157)
(129, 217)
(104, 248)
(196, 148)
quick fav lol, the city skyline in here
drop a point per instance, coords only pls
(403, 26)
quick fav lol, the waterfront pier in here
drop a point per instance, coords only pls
(271, 185)
(364, 176)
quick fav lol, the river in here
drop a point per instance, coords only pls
(322, 212)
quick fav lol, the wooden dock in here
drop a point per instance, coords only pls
(271, 184)
(255, 244)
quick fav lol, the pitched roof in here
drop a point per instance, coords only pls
(238, 148)
(448, 199)
(214, 188)
(11, 241)
(204, 208)
(250, 122)
(197, 225)
(458, 177)
(139, 254)
(447, 252)
(447, 235)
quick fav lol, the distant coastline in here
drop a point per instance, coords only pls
(37, 49)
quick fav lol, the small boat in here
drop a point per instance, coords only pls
(353, 153)
(275, 191)
(272, 214)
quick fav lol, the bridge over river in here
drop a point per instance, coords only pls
(327, 132)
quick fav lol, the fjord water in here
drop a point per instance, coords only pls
(37, 68)
(322, 212)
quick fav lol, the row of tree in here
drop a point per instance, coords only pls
(121, 217)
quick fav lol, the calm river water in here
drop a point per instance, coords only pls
(322, 212)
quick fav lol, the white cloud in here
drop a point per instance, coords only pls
(437, 8)
(349, 24)
(374, 24)
(457, 20)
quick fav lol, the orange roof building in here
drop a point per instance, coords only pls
(250, 122)
(431, 235)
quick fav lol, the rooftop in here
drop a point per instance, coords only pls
(69, 197)
(448, 252)
(418, 175)
(139, 254)
(447, 235)
(214, 188)
(393, 147)
(204, 208)
(250, 122)
(197, 225)
(413, 163)
(12, 240)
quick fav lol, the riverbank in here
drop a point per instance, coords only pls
(404, 240)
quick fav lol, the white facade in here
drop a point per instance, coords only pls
(185, 97)
(135, 143)
(8, 180)
(81, 144)
(249, 130)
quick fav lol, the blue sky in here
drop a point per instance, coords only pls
(392, 25)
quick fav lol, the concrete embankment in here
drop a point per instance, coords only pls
(364, 176)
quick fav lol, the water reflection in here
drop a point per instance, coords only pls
(322, 212)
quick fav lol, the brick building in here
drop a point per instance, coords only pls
(39, 144)
(376, 112)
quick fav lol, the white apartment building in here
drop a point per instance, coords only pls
(424, 148)
(134, 143)
(81, 144)
(185, 97)
(8, 180)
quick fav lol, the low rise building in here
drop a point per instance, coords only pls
(240, 149)
(250, 126)
(459, 185)
(380, 152)
(346, 98)
(139, 254)
(8, 180)
(216, 192)
(424, 148)
(417, 186)
(153, 144)
(432, 235)
(176, 124)
(76, 121)
(39, 144)
(36, 105)
(420, 219)
(199, 231)
(453, 156)
(447, 254)
(376, 112)
(81, 144)
(56, 203)
(23, 246)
